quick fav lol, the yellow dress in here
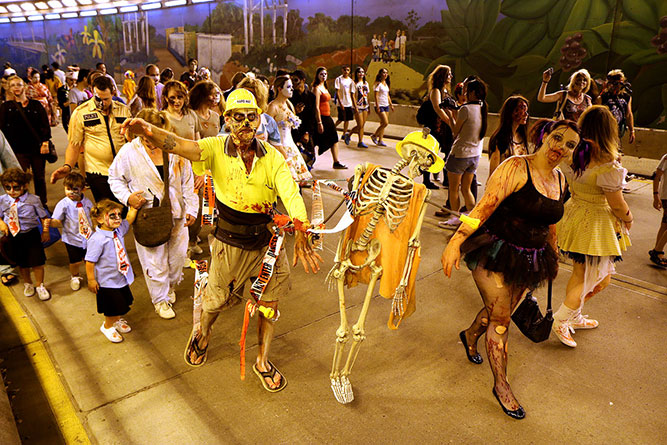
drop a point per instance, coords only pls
(588, 226)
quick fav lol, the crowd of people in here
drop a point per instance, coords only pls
(555, 186)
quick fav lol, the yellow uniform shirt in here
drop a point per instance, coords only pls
(99, 137)
(253, 192)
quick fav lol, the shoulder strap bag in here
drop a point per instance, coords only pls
(559, 116)
(153, 225)
(528, 317)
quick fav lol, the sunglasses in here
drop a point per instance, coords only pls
(16, 188)
(115, 216)
(240, 117)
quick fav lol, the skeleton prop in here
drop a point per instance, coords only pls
(389, 209)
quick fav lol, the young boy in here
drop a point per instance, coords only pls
(20, 212)
(72, 214)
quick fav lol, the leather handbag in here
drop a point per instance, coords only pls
(152, 226)
(528, 318)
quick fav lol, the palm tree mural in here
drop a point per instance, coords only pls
(97, 44)
(85, 34)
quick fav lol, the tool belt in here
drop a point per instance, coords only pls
(247, 237)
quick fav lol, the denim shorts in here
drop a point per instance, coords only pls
(384, 109)
(461, 165)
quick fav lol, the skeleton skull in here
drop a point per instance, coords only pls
(421, 159)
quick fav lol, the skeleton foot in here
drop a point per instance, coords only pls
(342, 389)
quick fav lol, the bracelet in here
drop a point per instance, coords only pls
(67, 165)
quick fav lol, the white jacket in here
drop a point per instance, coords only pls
(133, 170)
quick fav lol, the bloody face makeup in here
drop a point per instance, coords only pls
(560, 143)
(113, 219)
(520, 114)
(243, 124)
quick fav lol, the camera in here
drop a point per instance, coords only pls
(450, 103)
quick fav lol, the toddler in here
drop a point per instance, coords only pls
(21, 213)
(72, 214)
(108, 267)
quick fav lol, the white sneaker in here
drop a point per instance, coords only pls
(75, 283)
(194, 248)
(122, 326)
(42, 293)
(164, 310)
(111, 334)
(581, 322)
(564, 332)
(28, 289)
(172, 296)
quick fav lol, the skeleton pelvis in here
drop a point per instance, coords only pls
(358, 260)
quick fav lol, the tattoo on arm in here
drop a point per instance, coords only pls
(169, 143)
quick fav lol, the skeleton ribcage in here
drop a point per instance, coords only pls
(392, 192)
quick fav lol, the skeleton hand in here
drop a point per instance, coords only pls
(304, 252)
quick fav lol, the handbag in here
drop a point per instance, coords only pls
(51, 157)
(558, 115)
(54, 233)
(152, 226)
(528, 318)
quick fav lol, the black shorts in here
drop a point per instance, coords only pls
(345, 114)
(75, 254)
(26, 248)
(113, 301)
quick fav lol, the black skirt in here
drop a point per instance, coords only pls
(520, 266)
(329, 135)
(114, 301)
(26, 249)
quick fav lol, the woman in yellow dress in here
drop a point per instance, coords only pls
(594, 229)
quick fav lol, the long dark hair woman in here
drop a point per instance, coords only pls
(469, 128)
(514, 249)
(326, 136)
(439, 122)
(511, 136)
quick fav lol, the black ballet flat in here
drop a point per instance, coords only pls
(517, 414)
(476, 359)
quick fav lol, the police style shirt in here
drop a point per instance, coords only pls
(97, 134)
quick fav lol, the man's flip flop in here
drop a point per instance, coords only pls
(193, 346)
(270, 374)
(9, 279)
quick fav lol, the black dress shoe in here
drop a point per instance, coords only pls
(517, 414)
(476, 359)
(431, 186)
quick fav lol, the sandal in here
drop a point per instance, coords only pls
(193, 346)
(653, 254)
(270, 374)
(8, 279)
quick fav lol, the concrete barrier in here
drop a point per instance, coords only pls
(649, 143)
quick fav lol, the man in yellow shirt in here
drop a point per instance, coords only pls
(248, 175)
(95, 129)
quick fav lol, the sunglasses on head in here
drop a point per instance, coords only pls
(240, 117)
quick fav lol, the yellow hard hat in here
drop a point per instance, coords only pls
(241, 98)
(426, 141)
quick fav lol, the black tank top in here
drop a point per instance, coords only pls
(524, 217)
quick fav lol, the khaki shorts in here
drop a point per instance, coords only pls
(231, 267)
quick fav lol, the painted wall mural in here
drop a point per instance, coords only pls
(507, 43)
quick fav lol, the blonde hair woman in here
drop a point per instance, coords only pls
(575, 97)
(594, 229)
